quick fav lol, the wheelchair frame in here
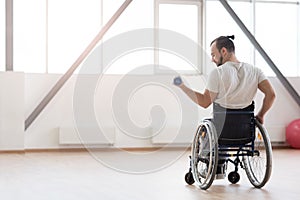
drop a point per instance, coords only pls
(206, 153)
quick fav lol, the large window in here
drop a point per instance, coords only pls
(178, 16)
(138, 15)
(29, 50)
(275, 24)
(183, 18)
(219, 22)
(278, 32)
(72, 25)
(49, 35)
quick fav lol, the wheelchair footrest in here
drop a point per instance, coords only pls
(221, 169)
(220, 176)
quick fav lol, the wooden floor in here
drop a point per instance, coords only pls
(79, 175)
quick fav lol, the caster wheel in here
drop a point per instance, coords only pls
(189, 179)
(233, 177)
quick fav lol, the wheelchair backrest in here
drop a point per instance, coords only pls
(234, 126)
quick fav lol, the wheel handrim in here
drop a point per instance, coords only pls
(203, 152)
(258, 167)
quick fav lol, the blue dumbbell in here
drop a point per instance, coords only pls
(177, 80)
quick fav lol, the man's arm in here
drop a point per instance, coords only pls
(269, 98)
(204, 100)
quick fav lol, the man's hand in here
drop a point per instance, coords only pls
(260, 118)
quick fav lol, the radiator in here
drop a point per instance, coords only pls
(86, 135)
(174, 135)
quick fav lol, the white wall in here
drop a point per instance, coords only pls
(11, 111)
(145, 107)
(142, 104)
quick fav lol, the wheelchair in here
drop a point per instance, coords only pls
(231, 136)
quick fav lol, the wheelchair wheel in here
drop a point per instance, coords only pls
(189, 179)
(204, 158)
(233, 177)
(259, 166)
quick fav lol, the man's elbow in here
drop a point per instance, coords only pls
(205, 104)
(204, 100)
(272, 95)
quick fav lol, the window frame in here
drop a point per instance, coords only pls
(201, 30)
(200, 36)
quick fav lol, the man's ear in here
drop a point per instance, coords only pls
(223, 51)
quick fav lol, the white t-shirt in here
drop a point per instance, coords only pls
(235, 83)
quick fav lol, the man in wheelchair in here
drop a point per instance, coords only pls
(231, 88)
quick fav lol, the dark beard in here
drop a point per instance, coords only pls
(220, 61)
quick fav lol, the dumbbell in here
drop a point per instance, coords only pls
(177, 80)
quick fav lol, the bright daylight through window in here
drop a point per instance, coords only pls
(47, 40)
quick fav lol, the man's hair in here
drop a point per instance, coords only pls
(224, 41)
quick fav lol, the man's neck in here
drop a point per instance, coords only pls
(232, 58)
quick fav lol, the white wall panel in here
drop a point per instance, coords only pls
(11, 111)
(44, 132)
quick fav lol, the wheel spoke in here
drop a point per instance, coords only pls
(204, 156)
(258, 166)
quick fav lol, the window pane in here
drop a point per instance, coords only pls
(219, 23)
(182, 19)
(29, 35)
(73, 24)
(138, 15)
(2, 36)
(278, 32)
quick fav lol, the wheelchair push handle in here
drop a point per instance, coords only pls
(177, 81)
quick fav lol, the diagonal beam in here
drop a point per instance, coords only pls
(252, 39)
(35, 113)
